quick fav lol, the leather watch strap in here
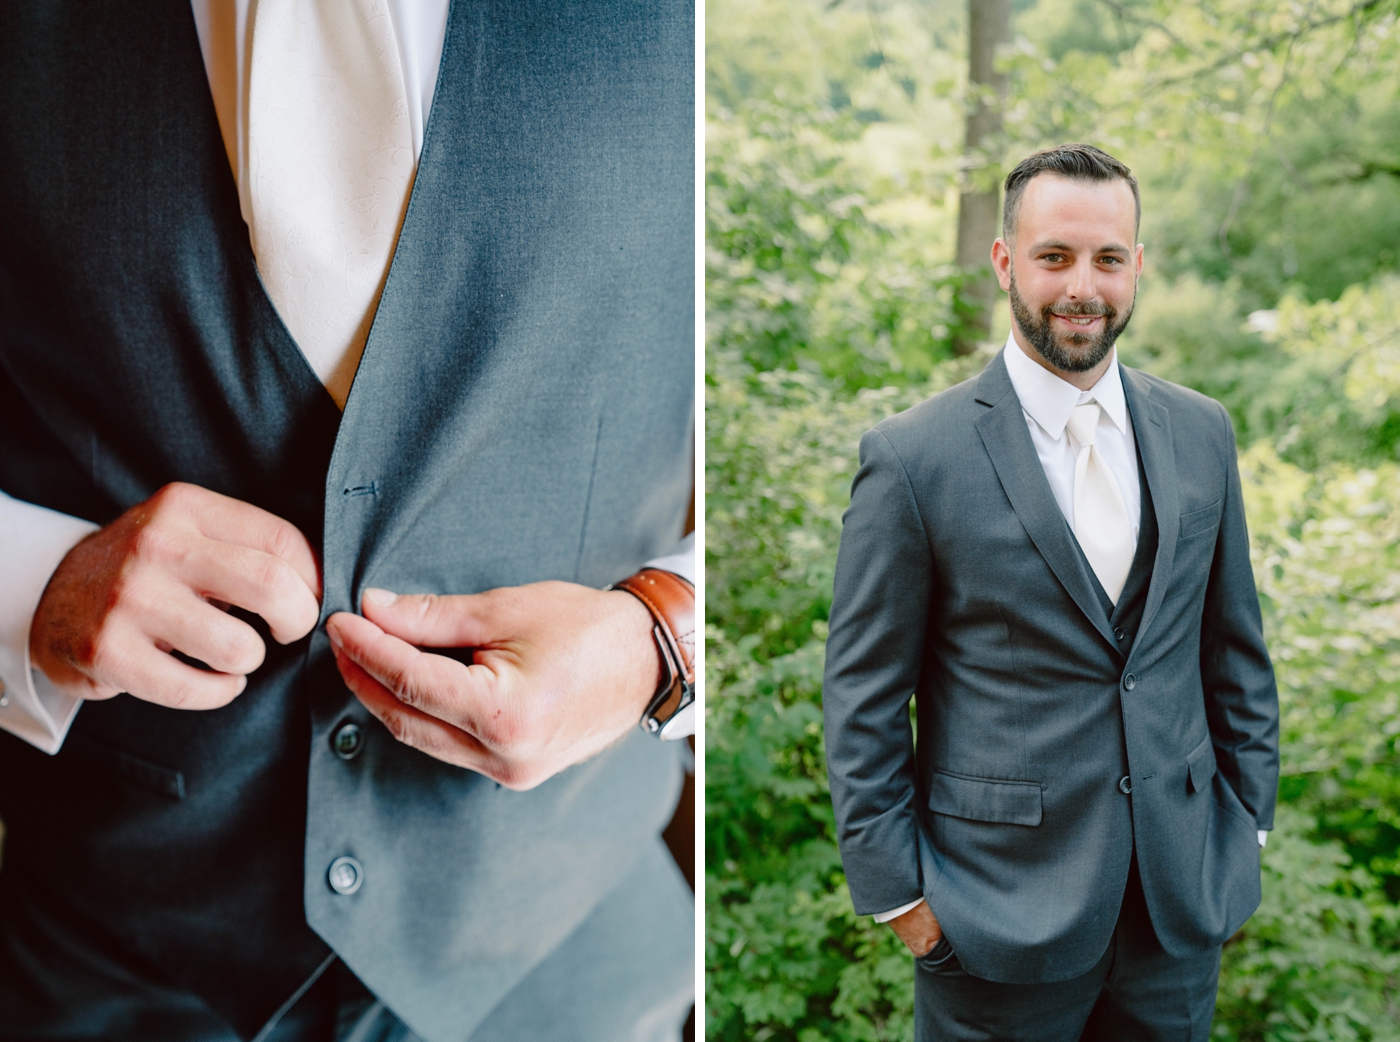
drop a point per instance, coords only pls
(671, 601)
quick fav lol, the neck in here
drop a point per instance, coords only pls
(1083, 380)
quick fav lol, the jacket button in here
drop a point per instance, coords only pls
(1118, 634)
(1125, 786)
(347, 741)
(1129, 682)
(345, 875)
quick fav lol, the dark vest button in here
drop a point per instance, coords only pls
(1129, 682)
(347, 741)
(1119, 635)
(345, 875)
(1125, 786)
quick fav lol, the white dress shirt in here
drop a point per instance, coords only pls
(1047, 402)
(34, 540)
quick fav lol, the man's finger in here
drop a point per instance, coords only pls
(254, 580)
(132, 663)
(465, 696)
(231, 520)
(443, 620)
(200, 630)
(412, 726)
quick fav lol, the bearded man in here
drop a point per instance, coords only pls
(1052, 559)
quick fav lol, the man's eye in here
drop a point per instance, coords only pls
(1053, 258)
(1110, 260)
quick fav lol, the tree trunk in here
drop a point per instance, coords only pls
(989, 25)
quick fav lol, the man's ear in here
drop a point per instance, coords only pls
(1138, 259)
(1001, 263)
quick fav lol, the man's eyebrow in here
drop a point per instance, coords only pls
(1067, 248)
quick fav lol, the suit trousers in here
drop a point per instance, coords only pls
(1135, 991)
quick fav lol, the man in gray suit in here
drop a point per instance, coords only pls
(1052, 559)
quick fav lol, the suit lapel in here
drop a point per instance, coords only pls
(1008, 443)
(1153, 430)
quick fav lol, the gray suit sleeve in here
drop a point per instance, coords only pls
(874, 653)
(1236, 674)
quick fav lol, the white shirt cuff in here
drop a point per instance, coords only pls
(895, 913)
(682, 725)
(33, 542)
(1263, 837)
(680, 560)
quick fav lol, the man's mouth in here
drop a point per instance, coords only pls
(1078, 320)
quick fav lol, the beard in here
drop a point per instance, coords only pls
(1068, 352)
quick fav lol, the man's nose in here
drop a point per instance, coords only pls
(1082, 285)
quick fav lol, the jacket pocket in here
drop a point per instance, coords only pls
(936, 957)
(985, 799)
(162, 780)
(1194, 522)
(1200, 765)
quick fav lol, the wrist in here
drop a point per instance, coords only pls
(47, 628)
(918, 928)
(643, 659)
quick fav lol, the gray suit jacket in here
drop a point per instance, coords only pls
(958, 581)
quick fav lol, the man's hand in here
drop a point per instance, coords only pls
(559, 672)
(918, 928)
(159, 578)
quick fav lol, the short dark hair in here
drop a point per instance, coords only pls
(1080, 162)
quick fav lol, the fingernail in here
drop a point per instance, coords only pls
(382, 598)
(334, 633)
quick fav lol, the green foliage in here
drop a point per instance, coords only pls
(1322, 380)
(1266, 137)
(1314, 962)
(1327, 555)
(804, 263)
(1337, 396)
(787, 956)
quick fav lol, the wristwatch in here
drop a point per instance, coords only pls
(671, 601)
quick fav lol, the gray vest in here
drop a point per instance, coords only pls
(522, 412)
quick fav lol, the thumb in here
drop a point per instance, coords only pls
(433, 620)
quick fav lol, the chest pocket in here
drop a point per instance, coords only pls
(1196, 523)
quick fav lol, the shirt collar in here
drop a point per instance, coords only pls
(1049, 400)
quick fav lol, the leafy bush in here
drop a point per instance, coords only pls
(800, 272)
(787, 957)
(1315, 960)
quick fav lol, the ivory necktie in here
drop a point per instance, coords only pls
(330, 164)
(1100, 518)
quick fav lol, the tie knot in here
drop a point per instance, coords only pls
(1084, 422)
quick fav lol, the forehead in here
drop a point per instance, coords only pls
(1070, 210)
